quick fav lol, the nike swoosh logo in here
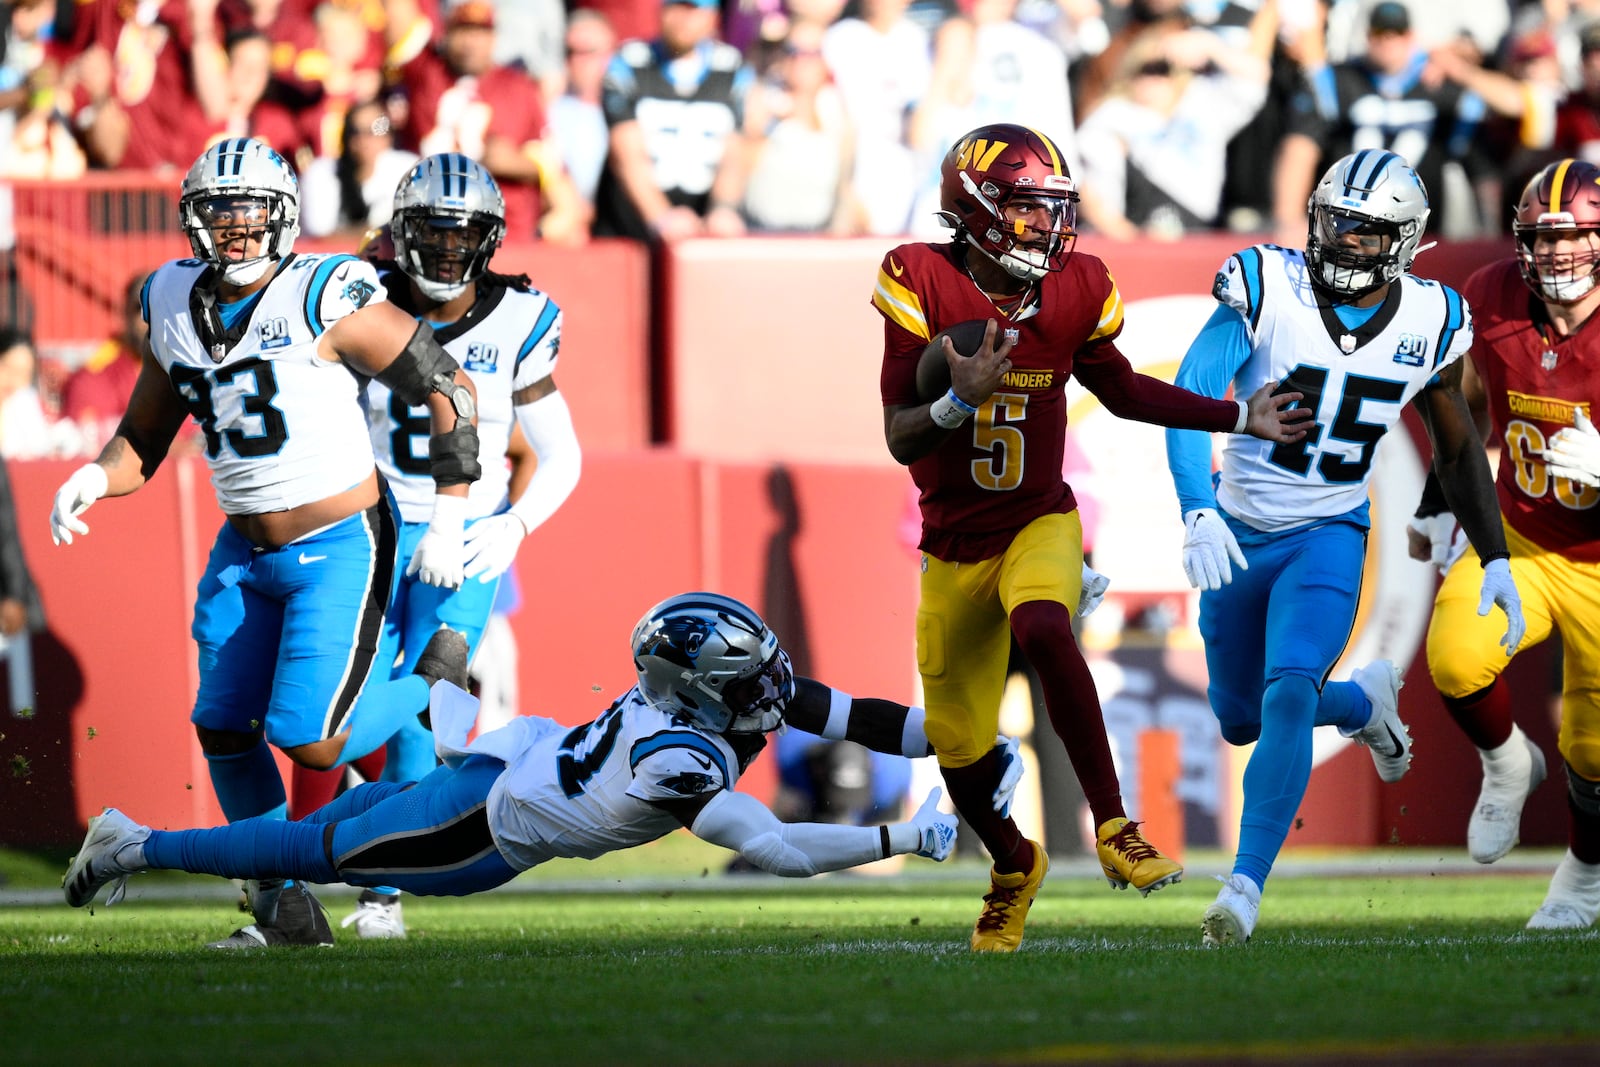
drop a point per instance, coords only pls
(304, 559)
(897, 268)
(344, 272)
(701, 760)
(1398, 746)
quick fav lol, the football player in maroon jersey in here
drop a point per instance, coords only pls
(1001, 538)
(1533, 375)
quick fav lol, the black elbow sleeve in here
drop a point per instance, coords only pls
(421, 364)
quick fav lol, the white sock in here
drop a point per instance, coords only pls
(1510, 755)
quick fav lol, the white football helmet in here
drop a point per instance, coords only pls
(711, 660)
(1371, 192)
(449, 217)
(240, 183)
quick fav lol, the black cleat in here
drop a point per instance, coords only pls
(443, 659)
(285, 915)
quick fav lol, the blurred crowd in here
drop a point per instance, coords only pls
(719, 117)
(663, 120)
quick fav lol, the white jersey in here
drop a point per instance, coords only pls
(1358, 382)
(283, 426)
(587, 790)
(507, 341)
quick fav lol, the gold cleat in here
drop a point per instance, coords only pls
(1128, 859)
(1005, 907)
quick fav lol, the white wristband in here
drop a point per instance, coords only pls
(1244, 416)
(950, 411)
(449, 515)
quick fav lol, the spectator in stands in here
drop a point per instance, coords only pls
(459, 101)
(880, 60)
(20, 607)
(34, 140)
(531, 36)
(153, 83)
(26, 430)
(679, 154)
(1095, 77)
(1381, 100)
(354, 192)
(320, 48)
(576, 116)
(988, 68)
(800, 176)
(96, 394)
(1155, 148)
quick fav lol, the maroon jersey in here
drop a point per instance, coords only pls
(150, 46)
(1533, 389)
(1002, 469)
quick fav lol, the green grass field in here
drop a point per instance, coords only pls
(651, 958)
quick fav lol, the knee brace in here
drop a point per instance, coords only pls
(1585, 793)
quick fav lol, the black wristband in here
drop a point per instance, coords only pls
(1433, 501)
(883, 839)
(1484, 561)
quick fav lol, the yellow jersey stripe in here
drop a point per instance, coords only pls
(1110, 314)
(900, 306)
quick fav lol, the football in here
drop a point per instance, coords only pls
(933, 370)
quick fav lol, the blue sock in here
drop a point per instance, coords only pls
(354, 801)
(248, 784)
(411, 754)
(252, 848)
(1276, 776)
(382, 712)
(1344, 705)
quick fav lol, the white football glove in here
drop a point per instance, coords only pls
(1498, 588)
(1094, 591)
(937, 830)
(492, 546)
(1445, 535)
(1574, 452)
(441, 555)
(1207, 547)
(1010, 773)
(83, 487)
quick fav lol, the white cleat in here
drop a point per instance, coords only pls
(1574, 898)
(1508, 779)
(1385, 735)
(100, 861)
(1231, 918)
(377, 915)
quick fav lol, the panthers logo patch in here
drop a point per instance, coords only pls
(678, 641)
(359, 292)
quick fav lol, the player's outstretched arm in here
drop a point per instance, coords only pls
(153, 417)
(798, 850)
(1462, 465)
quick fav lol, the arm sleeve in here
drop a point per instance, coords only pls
(1215, 356)
(796, 850)
(547, 424)
(1107, 374)
(881, 725)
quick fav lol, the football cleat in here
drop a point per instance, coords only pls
(1231, 918)
(286, 914)
(1128, 859)
(100, 859)
(377, 915)
(1507, 781)
(1574, 898)
(1005, 906)
(1385, 735)
(444, 658)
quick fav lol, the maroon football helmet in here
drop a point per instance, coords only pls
(987, 168)
(1561, 201)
